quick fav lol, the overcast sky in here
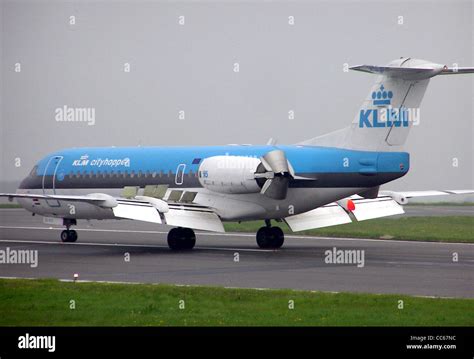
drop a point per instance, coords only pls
(74, 54)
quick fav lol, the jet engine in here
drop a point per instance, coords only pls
(270, 175)
(229, 174)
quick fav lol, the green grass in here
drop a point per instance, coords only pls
(441, 229)
(47, 302)
(9, 205)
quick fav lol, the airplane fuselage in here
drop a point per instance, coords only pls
(329, 174)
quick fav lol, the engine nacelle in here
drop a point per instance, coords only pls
(229, 174)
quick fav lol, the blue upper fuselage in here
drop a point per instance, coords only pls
(115, 167)
(304, 159)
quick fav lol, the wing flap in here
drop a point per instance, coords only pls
(376, 208)
(137, 212)
(335, 213)
(329, 215)
(177, 215)
(204, 220)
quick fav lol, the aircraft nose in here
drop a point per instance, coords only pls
(24, 184)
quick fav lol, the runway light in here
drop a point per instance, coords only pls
(350, 205)
(76, 276)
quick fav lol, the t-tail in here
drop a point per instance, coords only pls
(391, 108)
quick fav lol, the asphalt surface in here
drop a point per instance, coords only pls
(404, 267)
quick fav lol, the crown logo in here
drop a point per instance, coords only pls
(382, 97)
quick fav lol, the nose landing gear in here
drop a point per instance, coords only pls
(69, 235)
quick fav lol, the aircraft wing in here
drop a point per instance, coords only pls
(143, 208)
(88, 197)
(412, 194)
(348, 210)
(357, 208)
(177, 214)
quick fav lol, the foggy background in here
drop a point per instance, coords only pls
(190, 68)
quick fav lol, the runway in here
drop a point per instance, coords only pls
(403, 267)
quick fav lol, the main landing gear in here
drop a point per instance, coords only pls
(181, 238)
(69, 235)
(269, 237)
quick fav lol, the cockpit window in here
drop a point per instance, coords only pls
(33, 171)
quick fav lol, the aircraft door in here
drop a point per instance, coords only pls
(180, 174)
(49, 179)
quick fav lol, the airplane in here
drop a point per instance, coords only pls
(324, 181)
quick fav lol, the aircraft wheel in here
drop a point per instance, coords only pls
(72, 236)
(190, 238)
(181, 239)
(65, 236)
(68, 236)
(278, 237)
(263, 237)
(270, 237)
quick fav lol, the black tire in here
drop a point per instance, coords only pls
(270, 237)
(72, 236)
(173, 242)
(65, 236)
(181, 239)
(278, 237)
(68, 236)
(263, 237)
(189, 238)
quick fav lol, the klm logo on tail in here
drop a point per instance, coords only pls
(385, 115)
(382, 97)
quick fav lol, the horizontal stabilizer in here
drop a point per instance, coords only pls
(457, 70)
(408, 73)
(422, 70)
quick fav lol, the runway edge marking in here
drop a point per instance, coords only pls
(224, 287)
